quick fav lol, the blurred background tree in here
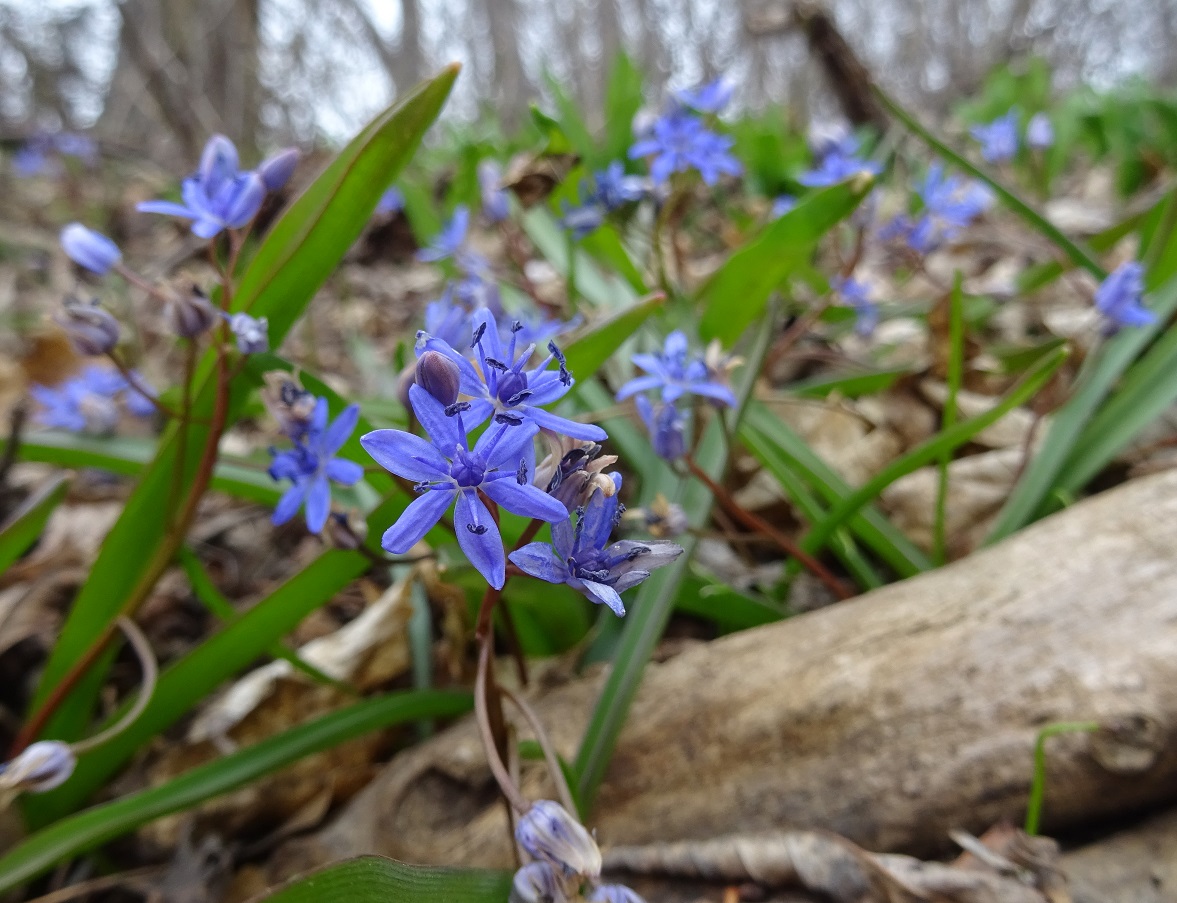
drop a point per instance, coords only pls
(160, 76)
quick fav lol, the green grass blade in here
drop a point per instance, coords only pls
(948, 420)
(24, 526)
(372, 879)
(99, 824)
(735, 295)
(1100, 372)
(780, 449)
(591, 348)
(934, 448)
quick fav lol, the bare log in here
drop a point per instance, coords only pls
(889, 719)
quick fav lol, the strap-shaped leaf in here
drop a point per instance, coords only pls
(373, 879)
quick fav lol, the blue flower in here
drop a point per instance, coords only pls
(950, 204)
(581, 220)
(538, 882)
(681, 142)
(503, 386)
(550, 834)
(392, 201)
(217, 196)
(1039, 132)
(613, 893)
(495, 206)
(89, 249)
(614, 189)
(856, 294)
(582, 557)
(311, 463)
(782, 205)
(839, 161)
(999, 138)
(446, 471)
(667, 427)
(275, 171)
(92, 329)
(252, 333)
(675, 375)
(1118, 297)
(139, 396)
(85, 403)
(709, 98)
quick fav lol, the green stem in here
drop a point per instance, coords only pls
(954, 378)
(1038, 784)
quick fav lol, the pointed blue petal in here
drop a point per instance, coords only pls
(405, 455)
(415, 521)
(341, 429)
(479, 537)
(289, 504)
(565, 427)
(525, 500)
(540, 560)
(344, 472)
(605, 595)
(318, 503)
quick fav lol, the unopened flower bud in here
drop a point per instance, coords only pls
(252, 333)
(190, 313)
(550, 834)
(89, 249)
(439, 376)
(92, 330)
(538, 882)
(404, 382)
(43, 766)
(277, 170)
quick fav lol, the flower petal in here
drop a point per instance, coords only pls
(343, 471)
(289, 504)
(525, 500)
(605, 595)
(540, 560)
(565, 427)
(416, 520)
(341, 429)
(442, 429)
(405, 455)
(638, 384)
(318, 503)
(479, 537)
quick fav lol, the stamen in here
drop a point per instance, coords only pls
(476, 529)
(519, 397)
(509, 418)
(497, 364)
(478, 333)
(516, 326)
(521, 473)
(458, 407)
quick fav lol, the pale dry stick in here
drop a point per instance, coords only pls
(482, 716)
(147, 682)
(545, 743)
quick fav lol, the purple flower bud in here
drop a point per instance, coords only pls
(613, 893)
(218, 163)
(550, 834)
(43, 766)
(537, 882)
(252, 333)
(91, 329)
(439, 376)
(89, 249)
(250, 192)
(276, 171)
(190, 313)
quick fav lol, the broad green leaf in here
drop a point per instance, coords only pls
(24, 525)
(293, 261)
(736, 294)
(372, 879)
(729, 609)
(91, 828)
(591, 348)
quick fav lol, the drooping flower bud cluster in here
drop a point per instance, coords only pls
(41, 767)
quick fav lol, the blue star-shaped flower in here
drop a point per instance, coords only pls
(708, 98)
(311, 463)
(681, 142)
(999, 138)
(446, 470)
(1118, 297)
(503, 384)
(217, 196)
(582, 557)
(839, 161)
(675, 374)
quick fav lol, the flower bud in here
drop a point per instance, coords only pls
(550, 834)
(92, 330)
(439, 376)
(218, 163)
(537, 882)
(404, 382)
(252, 333)
(89, 249)
(190, 313)
(277, 170)
(43, 766)
(246, 201)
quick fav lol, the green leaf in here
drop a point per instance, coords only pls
(372, 879)
(736, 294)
(1100, 372)
(932, 449)
(651, 607)
(89, 829)
(849, 385)
(293, 261)
(591, 348)
(603, 288)
(782, 452)
(24, 525)
(623, 99)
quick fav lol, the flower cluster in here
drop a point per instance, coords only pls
(1118, 298)
(838, 160)
(856, 294)
(566, 861)
(220, 195)
(673, 374)
(38, 155)
(611, 190)
(999, 138)
(313, 460)
(950, 203)
(89, 402)
(680, 141)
